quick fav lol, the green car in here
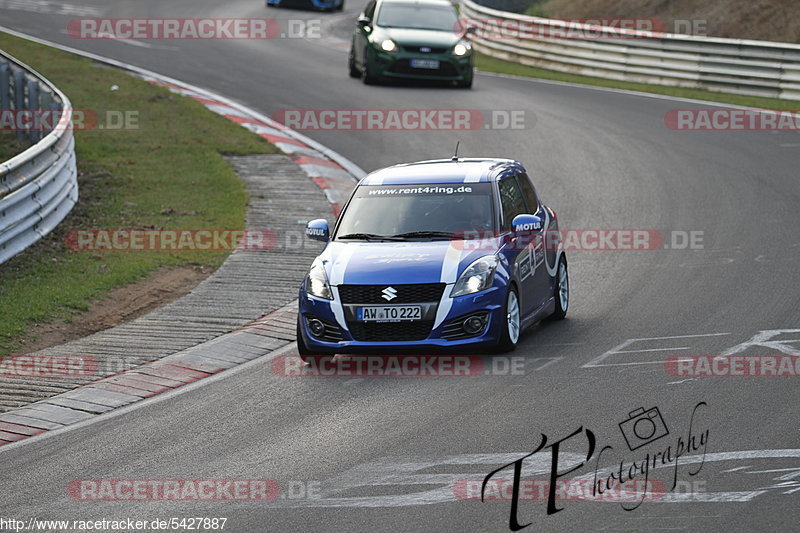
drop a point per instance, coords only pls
(411, 39)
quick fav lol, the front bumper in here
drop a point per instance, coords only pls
(489, 303)
(397, 64)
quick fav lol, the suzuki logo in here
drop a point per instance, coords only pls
(424, 49)
(389, 294)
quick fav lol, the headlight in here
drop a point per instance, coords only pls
(479, 276)
(461, 49)
(317, 282)
(388, 46)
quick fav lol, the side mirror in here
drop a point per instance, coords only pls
(526, 225)
(317, 230)
(364, 22)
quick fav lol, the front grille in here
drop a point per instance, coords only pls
(406, 294)
(391, 331)
(403, 66)
(431, 49)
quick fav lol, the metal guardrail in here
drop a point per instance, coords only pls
(39, 186)
(755, 68)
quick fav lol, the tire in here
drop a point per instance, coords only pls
(366, 75)
(466, 84)
(351, 63)
(303, 351)
(510, 335)
(561, 290)
(341, 6)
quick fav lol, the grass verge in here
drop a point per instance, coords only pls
(490, 64)
(10, 146)
(167, 172)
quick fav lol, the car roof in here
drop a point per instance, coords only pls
(435, 2)
(463, 170)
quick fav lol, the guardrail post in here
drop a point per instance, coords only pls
(19, 98)
(35, 106)
(5, 87)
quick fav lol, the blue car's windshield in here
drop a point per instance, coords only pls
(418, 212)
(417, 16)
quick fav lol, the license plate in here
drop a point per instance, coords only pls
(382, 313)
(425, 63)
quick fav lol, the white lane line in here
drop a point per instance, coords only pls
(682, 381)
(596, 362)
(654, 350)
(132, 42)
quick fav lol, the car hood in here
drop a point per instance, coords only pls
(411, 37)
(376, 263)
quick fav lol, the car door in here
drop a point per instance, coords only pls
(361, 35)
(512, 203)
(542, 283)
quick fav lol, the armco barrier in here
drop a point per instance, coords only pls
(755, 68)
(39, 186)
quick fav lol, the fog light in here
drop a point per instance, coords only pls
(316, 327)
(473, 324)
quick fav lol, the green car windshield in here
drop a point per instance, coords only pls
(417, 16)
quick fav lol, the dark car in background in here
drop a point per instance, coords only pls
(411, 39)
(325, 5)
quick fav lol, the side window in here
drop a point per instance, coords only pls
(369, 11)
(528, 192)
(511, 200)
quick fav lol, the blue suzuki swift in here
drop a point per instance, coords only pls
(453, 253)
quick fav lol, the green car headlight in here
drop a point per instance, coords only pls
(461, 49)
(388, 46)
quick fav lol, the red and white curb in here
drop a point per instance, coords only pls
(266, 334)
(333, 173)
